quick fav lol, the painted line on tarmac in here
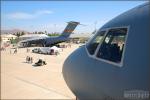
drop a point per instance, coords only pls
(42, 87)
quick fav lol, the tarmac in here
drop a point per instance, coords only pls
(22, 80)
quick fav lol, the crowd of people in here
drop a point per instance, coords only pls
(14, 50)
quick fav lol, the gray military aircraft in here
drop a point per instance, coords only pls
(50, 41)
(115, 63)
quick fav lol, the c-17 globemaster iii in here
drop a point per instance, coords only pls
(115, 63)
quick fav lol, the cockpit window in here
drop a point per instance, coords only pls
(113, 45)
(92, 45)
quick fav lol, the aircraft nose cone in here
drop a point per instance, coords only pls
(69, 67)
(72, 68)
(80, 76)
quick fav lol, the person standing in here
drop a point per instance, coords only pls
(31, 59)
(15, 51)
(27, 59)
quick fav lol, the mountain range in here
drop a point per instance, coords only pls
(12, 31)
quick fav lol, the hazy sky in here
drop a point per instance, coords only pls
(53, 15)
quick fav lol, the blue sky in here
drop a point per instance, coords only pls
(53, 15)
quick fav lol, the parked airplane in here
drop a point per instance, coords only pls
(115, 63)
(50, 41)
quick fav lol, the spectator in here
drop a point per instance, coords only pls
(27, 59)
(28, 50)
(15, 51)
(31, 59)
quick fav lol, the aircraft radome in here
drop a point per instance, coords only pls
(115, 63)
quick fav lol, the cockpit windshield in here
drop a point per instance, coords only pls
(112, 47)
(92, 45)
(109, 45)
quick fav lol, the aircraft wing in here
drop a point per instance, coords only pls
(32, 39)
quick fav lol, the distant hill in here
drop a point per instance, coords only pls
(13, 31)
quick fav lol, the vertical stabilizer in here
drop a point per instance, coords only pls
(70, 28)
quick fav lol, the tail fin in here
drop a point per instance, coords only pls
(70, 28)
